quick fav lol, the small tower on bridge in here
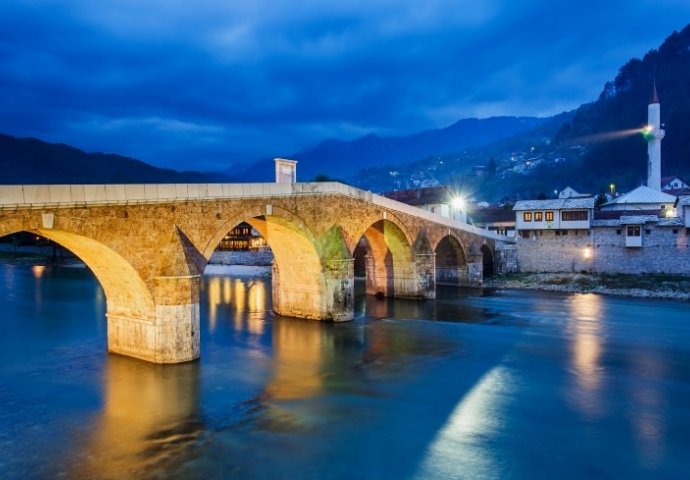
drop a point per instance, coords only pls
(653, 133)
(286, 170)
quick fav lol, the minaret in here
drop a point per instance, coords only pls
(654, 133)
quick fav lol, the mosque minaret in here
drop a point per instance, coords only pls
(654, 134)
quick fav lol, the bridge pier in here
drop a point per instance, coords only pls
(333, 300)
(416, 279)
(170, 334)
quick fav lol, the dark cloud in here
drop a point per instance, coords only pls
(204, 84)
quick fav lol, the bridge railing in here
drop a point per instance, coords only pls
(42, 196)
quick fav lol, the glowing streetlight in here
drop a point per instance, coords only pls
(458, 203)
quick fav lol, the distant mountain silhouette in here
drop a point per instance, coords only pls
(343, 159)
(32, 161)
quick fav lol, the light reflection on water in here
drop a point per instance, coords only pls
(507, 385)
(585, 326)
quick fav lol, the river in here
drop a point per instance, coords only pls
(474, 385)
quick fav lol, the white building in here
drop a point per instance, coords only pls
(534, 216)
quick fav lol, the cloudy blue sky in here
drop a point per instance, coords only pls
(201, 84)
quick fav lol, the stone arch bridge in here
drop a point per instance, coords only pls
(148, 246)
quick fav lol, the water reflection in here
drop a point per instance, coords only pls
(585, 327)
(300, 350)
(477, 416)
(241, 301)
(148, 421)
(38, 271)
(647, 403)
(389, 395)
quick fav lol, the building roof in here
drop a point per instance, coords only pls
(489, 215)
(642, 194)
(617, 214)
(638, 219)
(670, 222)
(678, 191)
(683, 200)
(555, 204)
(669, 179)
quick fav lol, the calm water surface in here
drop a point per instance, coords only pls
(508, 385)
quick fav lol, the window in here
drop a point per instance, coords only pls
(618, 232)
(527, 216)
(675, 231)
(565, 232)
(549, 216)
(538, 216)
(524, 233)
(574, 215)
(687, 231)
(633, 230)
(647, 231)
(558, 233)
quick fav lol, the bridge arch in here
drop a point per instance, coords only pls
(389, 259)
(451, 261)
(125, 291)
(311, 276)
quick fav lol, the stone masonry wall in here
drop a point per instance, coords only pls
(241, 258)
(662, 251)
(506, 259)
(544, 251)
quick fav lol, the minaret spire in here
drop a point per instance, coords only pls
(654, 134)
(655, 96)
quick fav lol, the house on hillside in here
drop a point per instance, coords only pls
(674, 186)
(569, 192)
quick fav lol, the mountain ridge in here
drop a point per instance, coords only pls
(327, 157)
(26, 160)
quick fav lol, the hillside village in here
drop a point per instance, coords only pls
(645, 230)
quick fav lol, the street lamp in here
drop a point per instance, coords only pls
(458, 203)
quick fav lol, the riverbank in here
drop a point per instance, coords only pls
(44, 256)
(676, 287)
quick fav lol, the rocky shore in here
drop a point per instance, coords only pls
(676, 287)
